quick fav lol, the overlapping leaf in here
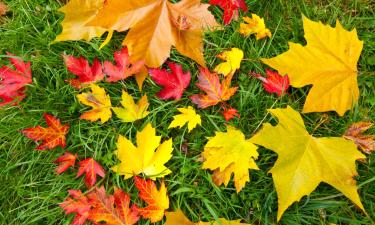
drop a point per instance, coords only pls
(364, 142)
(77, 203)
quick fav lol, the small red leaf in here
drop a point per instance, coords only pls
(274, 82)
(13, 81)
(174, 83)
(91, 168)
(77, 203)
(230, 8)
(230, 113)
(65, 161)
(52, 136)
(123, 68)
(81, 68)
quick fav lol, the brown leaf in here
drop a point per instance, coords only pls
(355, 133)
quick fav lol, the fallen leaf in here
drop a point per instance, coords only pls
(131, 111)
(230, 113)
(178, 218)
(148, 157)
(355, 133)
(157, 25)
(111, 209)
(99, 101)
(86, 74)
(13, 81)
(254, 25)
(274, 82)
(304, 161)
(157, 200)
(52, 136)
(229, 152)
(123, 68)
(91, 169)
(230, 8)
(233, 60)
(3, 9)
(77, 203)
(328, 62)
(216, 91)
(174, 83)
(65, 161)
(187, 116)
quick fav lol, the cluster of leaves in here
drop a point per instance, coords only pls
(154, 27)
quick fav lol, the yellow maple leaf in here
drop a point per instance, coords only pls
(229, 152)
(304, 161)
(99, 101)
(148, 157)
(233, 60)
(178, 218)
(328, 62)
(254, 25)
(131, 111)
(189, 116)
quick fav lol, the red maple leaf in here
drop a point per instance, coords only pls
(274, 82)
(65, 161)
(123, 68)
(86, 74)
(77, 203)
(52, 136)
(91, 168)
(230, 8)
(174, 83)
(113, 210)
(230, 113)
(13, 81)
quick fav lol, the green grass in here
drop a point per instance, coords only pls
(30, 190)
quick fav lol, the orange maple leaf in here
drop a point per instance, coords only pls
(91, 168)
(157, 200)
(52, 136)
(76, 203)
(215, 91)
(65, 161)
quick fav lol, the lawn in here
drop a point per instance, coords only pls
(30, 190)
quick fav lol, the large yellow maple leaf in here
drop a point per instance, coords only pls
(148, 157)
(328, 62)
(229, 152)
(304, 161)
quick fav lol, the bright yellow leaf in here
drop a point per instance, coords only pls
(189, 116)
(328, 62)
(99, 101)
(148, 157)
(304, 161)
(131, 111)
(178, 218)
(254, 25)
(233, 60)
(229, 152)
(77, 14)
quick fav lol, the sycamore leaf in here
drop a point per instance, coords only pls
(355, 133)
(273, 82)
(77, 203)
(174, 83)
(77, 14)
(148, 157)
(91, 169)
(229, 152)
(111, 209)
(99, 101)
(52, 136)
(131, 111)
(304, 161)
(123, 68)
(178, 218)
(65, 161)
(334, 80)
(86, 74)
(230, 8)
(187, 116)
(157, 200)
(13, 81)
(157, 25)
(230, 113)
(233, 60)
(254, 25)
(215, 91)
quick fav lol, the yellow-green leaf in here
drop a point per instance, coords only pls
(131, 111)
(187, 116)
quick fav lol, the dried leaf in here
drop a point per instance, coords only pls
(355, 133)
